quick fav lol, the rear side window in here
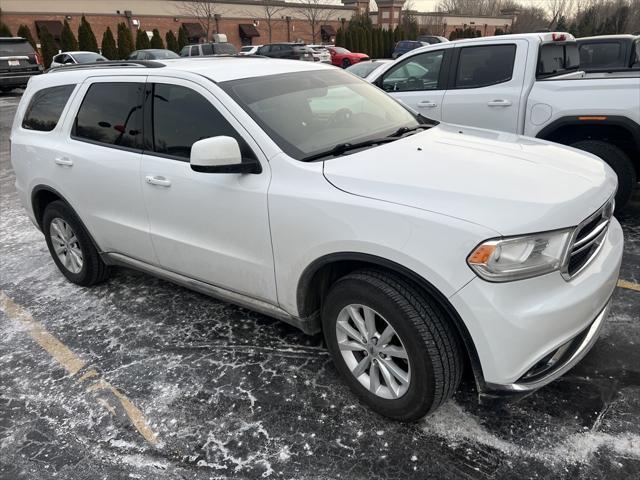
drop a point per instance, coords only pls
(484, 66)
(556, 59)
(207, 49)
(181, 117)
(9, 48)
(111, 113)
(195, 51)
(45, 108)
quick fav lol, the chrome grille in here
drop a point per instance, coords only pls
(587, 240)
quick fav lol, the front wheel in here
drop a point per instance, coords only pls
(619, 161)
(393, 346)
(346, 63)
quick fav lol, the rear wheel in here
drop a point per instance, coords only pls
(346, 63)
(70, 246)
(393, 346)
(619, 161)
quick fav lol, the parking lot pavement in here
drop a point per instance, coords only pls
(138, 378)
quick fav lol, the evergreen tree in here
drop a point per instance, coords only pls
(142, 40)
(348, 44)
(109, 48)
(25, 32)
(397, 34)
(374, 44)
(4, 31)
(172, 41)
(86, 39)
(355, 39)
(339, 38)
(362, 40)
(47, 46)
(156, 39)
(182, 38)
(68, 42)
(369, 33)
(125, 41)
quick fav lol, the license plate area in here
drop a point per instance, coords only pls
(14, 62)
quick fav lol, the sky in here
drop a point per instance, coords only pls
(430, 5)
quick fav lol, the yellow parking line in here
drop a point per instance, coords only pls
(73, 364)
(629, 285)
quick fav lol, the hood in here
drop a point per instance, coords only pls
(508, 183)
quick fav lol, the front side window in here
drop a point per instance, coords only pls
(195, 51)
(307, 115)
(419, 72)
(111, 113)
(181, 117)
(484, 66)
(45, 108)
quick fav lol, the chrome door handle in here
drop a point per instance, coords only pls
(499, 103)
(427, 104)
(158, 180)
(63, 161)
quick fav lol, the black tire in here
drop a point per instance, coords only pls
(619, 161)
(433, 348)
(346, 63)
(93, 268)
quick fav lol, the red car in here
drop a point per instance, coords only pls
(341, 57)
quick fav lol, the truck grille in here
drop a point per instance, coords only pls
(588, 239)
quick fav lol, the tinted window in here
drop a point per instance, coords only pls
(111, 113)
(184, 52)
(181, 117)
(483, 66)
(195, 51)
(207, 49)
(601, 55)
(45, 108)
(555, 59)
(224, 49)
(420, 72)
(88, 57)
(12, 47)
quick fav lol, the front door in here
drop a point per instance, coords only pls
(417, 82)
(213, 227)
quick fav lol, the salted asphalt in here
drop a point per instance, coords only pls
(174, 384)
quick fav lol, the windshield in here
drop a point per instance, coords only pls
(224, 49)
(164, 54)
(340, 50)
(88, 57)
(307, 115)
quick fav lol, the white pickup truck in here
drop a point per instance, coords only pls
(528, 84)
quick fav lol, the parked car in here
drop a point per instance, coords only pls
(249, 50)
(431, 39)
(609, 52)
(18, 63)
(415, 248)
(76, 58)
(291, 51)
(208, 49)
(153, 54)
(405, 46)
(341, 57)
(320, 53)
(527, 84)
(366, 67)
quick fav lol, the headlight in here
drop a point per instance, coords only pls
(515, 258)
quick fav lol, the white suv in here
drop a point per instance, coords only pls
(302, 192)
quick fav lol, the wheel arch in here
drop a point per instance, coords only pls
(317, 278)
(43, 195)
(618, 130)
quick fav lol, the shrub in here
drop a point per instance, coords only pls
(125, 41)
(25, 32)
(47, 46)
(156, 39)
(172, 41)
(86, 39)
(68, 42)
(142, 40)
(182, 38)
(109, 48)
(4, 31)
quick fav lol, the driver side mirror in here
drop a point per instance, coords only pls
(220, 155)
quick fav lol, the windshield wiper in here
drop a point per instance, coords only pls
(402, 130)
(342, 148)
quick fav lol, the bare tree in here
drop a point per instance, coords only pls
(203, 11)
(271, 11)
(315, 12)
(558, 9)
(473, 7)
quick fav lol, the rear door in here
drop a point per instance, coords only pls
(418, 81)
(484, 86)
(101, 161)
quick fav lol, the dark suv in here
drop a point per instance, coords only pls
(291, 51)
(18, 63)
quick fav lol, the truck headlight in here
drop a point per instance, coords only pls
(514, 258)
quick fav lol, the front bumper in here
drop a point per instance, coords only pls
(527, 333)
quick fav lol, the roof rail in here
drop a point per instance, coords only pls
(110, 63)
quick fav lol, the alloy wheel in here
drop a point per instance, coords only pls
(66, 245)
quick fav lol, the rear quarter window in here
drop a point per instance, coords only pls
(45, 108)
